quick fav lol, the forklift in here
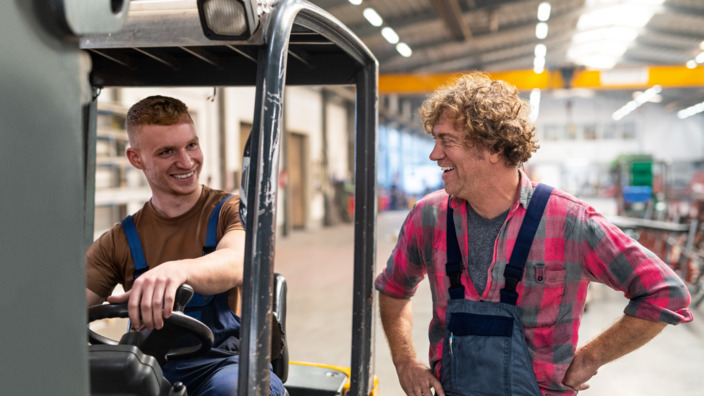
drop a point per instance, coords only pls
(203, 43)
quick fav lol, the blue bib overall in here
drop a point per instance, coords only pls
(485, 351)
(215, 372)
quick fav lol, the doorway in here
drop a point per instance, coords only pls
(295, 169)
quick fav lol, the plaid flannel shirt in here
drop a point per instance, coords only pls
(574, 245)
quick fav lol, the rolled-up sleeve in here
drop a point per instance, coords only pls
(656, 293)
(404, 270)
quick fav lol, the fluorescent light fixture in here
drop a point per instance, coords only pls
(700, 58)
(390, 35)
(538, 63)
(606, 29)
(373, 17)
(691, 64)
(541, 30)
(625, 14)
(544, 11)
(404, 49)
(541, 50)
(356, 2)
(690, 111)
(639, 100)
(600, 48)
(534, 104)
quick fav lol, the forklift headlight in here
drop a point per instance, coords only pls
(228, 19)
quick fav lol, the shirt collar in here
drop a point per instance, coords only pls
(525, 190)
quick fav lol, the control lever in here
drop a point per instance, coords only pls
(184, 293)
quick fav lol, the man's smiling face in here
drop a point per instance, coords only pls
(465, 165)
(170, 157)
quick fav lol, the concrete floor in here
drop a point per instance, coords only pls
(318, 267)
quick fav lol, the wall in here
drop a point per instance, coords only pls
(657, 132)
(303, 115)
(579, 138)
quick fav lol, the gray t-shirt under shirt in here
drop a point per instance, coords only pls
(482, 235)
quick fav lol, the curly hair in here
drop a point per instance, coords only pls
(156, 110)
(490, 112)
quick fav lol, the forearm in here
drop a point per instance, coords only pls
(215, 273)
(623, 337)
(218, 271)
(415, 377)
(397, 321)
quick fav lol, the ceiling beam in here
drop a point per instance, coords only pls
(450, 12)
(636, 77)
(680, 35)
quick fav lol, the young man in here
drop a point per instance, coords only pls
(509, 262)
(173, 246)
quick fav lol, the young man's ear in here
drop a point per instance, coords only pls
(134, 158)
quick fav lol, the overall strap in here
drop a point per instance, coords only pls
(198, 301)
(140, 264)
(513, 273)
(211, 240)
(453, 267)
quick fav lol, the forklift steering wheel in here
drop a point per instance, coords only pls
(158, 343)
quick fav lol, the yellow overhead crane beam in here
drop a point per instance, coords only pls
(623, 78)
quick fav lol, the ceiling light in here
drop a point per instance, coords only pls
(538, 63)
(700, 58)
(356, 2)
(541, 30)
(606, 29)
(600, 48)
(404, 49)
(625, 14)
(639, 100)
(652, 95)
(373, 17)
(534, 104)
(390, 35)
(690, 111)
(691, 64)
(544, 11)
(541, 50)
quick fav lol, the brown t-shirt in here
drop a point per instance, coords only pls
(109, 261)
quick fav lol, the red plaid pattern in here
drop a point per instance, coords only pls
(573, 246)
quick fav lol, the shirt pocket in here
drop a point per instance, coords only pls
(542, 294)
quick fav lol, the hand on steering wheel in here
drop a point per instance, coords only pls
(159, 343)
